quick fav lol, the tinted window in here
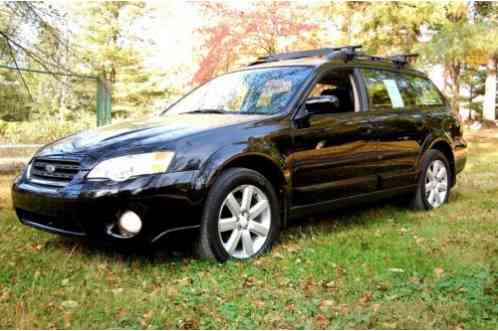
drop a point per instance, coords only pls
(408, 94)
(426, 94)
(383, 89)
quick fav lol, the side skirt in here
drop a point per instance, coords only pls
(321, 207)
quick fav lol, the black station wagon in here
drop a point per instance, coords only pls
(290, 135)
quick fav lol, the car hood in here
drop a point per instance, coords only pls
(146, 131)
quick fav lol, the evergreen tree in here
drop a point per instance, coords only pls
(110, 44)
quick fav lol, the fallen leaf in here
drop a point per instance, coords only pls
(439, 272)
(292, 248)
(414, 280)
(272, 317)
(326, 304)
(117, 291)
(148, 315)
(172, 291)
(185, 281)
(322, 321)
(365, 298)
(67, 320)
(5, 295)
(249, 281)
(344, 309)
(69, 304)
(188, 324)
(398, 270)
(330, 284)
(391, 326)
(259, 303)
(418, 240)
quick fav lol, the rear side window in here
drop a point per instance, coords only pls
(383, 90)
(390, 90)
(426, 94)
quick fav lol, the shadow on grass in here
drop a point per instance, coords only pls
(176, 251)
(178, 248)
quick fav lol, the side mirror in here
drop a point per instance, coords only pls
(322, 104)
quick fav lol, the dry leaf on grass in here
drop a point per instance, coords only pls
(439, 272)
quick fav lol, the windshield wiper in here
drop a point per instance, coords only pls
(206, 111)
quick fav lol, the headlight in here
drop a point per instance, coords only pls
(121, 168)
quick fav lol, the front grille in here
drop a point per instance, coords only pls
(53, 171)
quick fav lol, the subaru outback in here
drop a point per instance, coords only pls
(290, 135)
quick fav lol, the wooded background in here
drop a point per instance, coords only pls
(457, 41)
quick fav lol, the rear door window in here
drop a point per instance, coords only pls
(383, 89)
(391, 90)
(408, 94)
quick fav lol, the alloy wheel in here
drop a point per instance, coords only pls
(244, 221)
(436, 183)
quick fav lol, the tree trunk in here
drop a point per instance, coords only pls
(454, 73)
(471, 97)
(489, 106)
(445, 79)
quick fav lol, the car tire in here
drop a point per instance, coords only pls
(433, 189)
(238, 200)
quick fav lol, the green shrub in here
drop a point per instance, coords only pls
(43, 130)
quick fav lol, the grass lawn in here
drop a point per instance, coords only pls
(380, 266)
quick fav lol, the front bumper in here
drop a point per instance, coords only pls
(165, 202)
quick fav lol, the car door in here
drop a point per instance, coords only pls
(333, 154)
(398, 127)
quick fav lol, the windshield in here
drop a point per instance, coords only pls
(255, 91)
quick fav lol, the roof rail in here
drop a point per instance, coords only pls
(345, 53)
(321, 52)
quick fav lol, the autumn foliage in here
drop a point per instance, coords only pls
(234, 34)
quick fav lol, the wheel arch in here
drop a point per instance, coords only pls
(272, 169)
(444, 147)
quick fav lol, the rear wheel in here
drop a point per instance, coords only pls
(241, 217)
(434, 183)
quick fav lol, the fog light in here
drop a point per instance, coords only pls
(130, 223)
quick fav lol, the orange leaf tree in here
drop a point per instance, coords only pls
(234, 35)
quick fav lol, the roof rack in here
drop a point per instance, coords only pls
(403, 59)
(346, 53)
(349, 51)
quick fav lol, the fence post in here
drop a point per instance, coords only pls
(104, 92)
(104, 102)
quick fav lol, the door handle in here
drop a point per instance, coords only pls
(366, 130)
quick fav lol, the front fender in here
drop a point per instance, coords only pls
(230, 153)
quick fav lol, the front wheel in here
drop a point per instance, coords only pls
(241, 217)
(434, 184)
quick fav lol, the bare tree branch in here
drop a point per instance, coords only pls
(13, 56)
